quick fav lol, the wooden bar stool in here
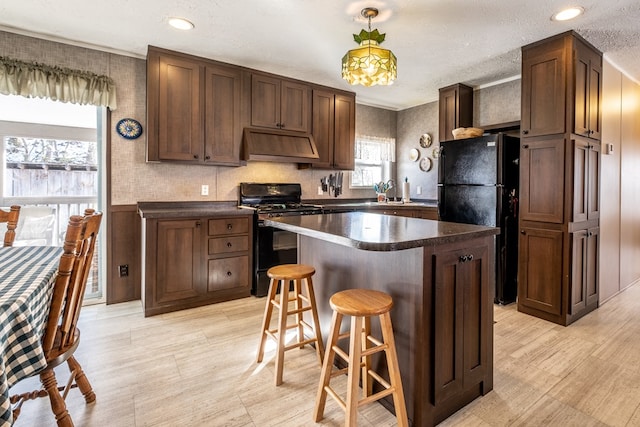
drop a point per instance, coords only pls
(281, 276)
(361, 304)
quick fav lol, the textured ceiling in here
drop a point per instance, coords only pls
(437, 42)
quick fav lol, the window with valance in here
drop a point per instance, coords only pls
(35, 80)
(373, 156)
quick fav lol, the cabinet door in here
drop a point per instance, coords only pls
(295, 107)
(595, 97)
(581, 180)
(265, 101)
(461, 304)
(584, 270)
(180, 109)
(587, 91)
(323, 126)
(593, 195)
(542, 180)
(592, 288)
(586, 180)
(579, 265)
(223, 131)
(543, 90)
(540, 276)
(455, 107)
(179, 260)
(345, 132)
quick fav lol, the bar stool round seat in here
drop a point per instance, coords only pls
(361, 304)
(288, 279)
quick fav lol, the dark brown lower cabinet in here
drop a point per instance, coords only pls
(540, 280)
(558, 273)
(461, 308)
(195, 261)
(179, 253)
(584, 271)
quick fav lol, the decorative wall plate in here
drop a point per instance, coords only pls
(426, 164)
(414, 154)
(425, 140)
(129, 128)
(435, 153)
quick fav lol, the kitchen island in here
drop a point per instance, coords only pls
(441, 278)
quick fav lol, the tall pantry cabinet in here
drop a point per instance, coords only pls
(560, 178)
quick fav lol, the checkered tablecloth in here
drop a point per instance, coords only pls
(26, 278)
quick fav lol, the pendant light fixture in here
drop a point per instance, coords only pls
(369, 64)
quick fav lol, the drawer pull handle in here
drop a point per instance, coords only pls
(229, 244)
(228, 274)
(465, 258)
(229, 227)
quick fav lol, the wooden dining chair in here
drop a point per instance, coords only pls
(11, 218)
(61, 335)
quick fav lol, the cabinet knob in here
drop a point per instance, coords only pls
(523, 232)
(229, 244)
(207, 157)
(228, 274)
(525, 146)
(195, 156)
(525, 132)
(198, 223)
(229, 227)
(281, 125)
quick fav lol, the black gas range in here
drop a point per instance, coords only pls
(273, 246)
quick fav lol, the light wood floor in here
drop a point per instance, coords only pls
(196, 368)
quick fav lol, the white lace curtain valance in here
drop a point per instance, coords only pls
(35, 80)
(374, 149)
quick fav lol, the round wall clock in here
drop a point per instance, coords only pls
(129, 128)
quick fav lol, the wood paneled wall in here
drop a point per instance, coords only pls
(620, 184)
(123, 249)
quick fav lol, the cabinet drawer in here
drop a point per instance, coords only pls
(224, 226)
(228, 273)
(225, 245)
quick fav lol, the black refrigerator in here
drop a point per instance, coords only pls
(478, 182)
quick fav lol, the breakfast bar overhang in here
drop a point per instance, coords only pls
(441, 277)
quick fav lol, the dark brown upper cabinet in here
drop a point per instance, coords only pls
(280, 104)
(561, 87)
(333, 129)
(193, 109)
(455, 109)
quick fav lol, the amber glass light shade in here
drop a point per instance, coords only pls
(369, 65)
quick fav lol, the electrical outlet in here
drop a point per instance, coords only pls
(204, 191)
(123, 270)
(419, 189)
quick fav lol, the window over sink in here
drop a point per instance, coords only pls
(373, 157)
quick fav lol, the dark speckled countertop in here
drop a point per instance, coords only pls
(189, 209)
(375, 232)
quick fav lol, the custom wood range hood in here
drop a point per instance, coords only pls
(274, 145)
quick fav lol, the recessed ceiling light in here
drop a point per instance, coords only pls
(570, 13)
(181, 23)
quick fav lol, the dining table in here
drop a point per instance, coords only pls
(27, 275)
